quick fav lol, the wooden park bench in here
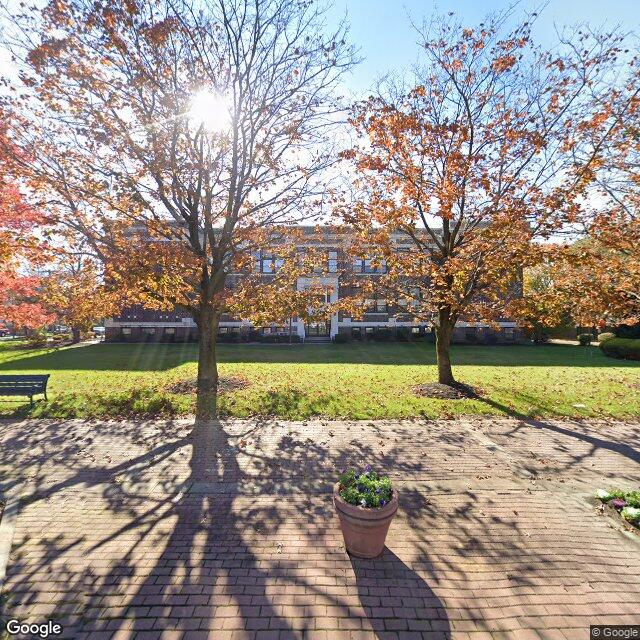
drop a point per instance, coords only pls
(30, 386)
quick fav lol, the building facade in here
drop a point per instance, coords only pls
(383, 320)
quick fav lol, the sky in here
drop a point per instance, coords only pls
(382, 30)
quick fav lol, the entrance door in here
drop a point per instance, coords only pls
(317, 328)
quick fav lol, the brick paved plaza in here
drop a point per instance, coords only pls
(123, 530)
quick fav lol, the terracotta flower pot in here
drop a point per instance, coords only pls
(364, 530)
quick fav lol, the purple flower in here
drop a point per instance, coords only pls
(367, 468)
(378, 490)
(383, 502)
(618, 503)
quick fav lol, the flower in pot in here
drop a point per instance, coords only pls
(366, 504)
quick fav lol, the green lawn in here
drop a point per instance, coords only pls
(352, 380)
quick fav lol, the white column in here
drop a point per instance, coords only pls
(334, 318)
(300, 285)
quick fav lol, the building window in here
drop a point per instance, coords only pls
(381, 306)
(373, 266)
(509, 333)
(415, 329)
(267, 263)
(126, 331)
(149, 330)
(223, 329)
(333, 261)
(369, 330)
(369, 265)
(170, 331)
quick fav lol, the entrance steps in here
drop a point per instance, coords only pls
(317, 339)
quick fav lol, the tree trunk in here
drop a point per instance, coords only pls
(207, 385)
(75, 335)
(539, 334)
(444, 331)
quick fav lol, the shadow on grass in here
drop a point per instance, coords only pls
(162, 357)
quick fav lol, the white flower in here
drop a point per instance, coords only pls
(363, 502)
(632, 514)
(603, 495)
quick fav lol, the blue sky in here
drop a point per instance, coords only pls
(383, 33)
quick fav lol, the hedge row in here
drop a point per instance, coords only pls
(629, 331)
(621, 348)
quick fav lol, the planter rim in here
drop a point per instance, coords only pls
(365, 513)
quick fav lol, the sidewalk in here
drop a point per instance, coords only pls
(148, 530)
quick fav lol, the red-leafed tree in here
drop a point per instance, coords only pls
(492, 147)
(19, 248)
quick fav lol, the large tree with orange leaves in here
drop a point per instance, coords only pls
(490, 148)
(191, 127)
(613, 227)
(595, 279)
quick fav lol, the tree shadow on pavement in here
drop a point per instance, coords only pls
(387, 587)
(228, 529)
(555, 447)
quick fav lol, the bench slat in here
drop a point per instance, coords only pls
(24, 385)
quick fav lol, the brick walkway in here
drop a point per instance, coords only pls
(136, 530)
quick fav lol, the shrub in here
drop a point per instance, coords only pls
(490, 338)
(278, 338)
(605, 336)
(631, 331)
(230, 336)
(341, 338)
(37, 339)
(585, 339)
(382, 334)
(366, 489)
(403, 334)
(621, 348)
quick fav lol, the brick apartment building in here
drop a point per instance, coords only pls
(381, 321)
